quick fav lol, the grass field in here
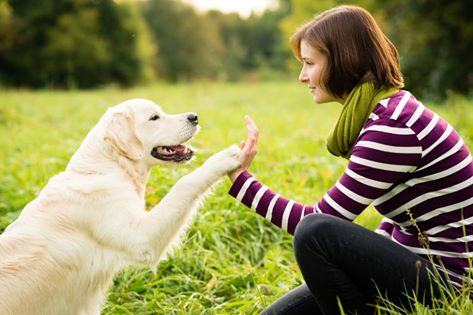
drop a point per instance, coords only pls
(233, 261)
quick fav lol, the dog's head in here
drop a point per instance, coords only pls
(141, 131)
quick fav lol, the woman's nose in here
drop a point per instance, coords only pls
(303, 76)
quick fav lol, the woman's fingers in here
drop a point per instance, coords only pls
(248, 148)
(253, 134)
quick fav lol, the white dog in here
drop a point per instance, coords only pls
(61, 254)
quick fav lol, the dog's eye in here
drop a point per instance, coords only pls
(154, 117)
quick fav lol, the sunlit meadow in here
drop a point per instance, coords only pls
(232, 261)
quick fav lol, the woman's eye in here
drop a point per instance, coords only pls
(154, 117)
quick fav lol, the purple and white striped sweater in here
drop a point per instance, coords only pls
(409, 164)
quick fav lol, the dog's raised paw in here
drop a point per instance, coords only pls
(226, 160)
(233, 151)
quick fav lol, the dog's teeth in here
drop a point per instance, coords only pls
(165, 150)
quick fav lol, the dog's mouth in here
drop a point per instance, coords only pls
(173, 153)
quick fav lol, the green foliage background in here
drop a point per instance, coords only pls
(94, 43)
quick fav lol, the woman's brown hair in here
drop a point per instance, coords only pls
(356, 48)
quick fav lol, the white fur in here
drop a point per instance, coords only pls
(61, 254)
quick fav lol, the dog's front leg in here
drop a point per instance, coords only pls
(167, 219)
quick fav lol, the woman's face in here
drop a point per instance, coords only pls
(313, 66)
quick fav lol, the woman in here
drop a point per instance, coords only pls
(402, 158)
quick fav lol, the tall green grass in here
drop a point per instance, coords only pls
(232, 261)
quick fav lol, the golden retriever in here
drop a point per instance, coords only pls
(61, 254)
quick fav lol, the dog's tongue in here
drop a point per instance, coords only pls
(179, 148)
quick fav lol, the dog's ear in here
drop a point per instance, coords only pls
(121, 134)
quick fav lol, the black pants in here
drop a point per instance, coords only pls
(342, 262)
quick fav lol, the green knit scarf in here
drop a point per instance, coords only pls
(355, 112)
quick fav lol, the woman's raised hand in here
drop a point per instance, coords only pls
(249, 148)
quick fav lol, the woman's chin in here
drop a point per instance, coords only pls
(318, 100)
(322, 99)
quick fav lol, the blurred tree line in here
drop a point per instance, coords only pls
(89, 43)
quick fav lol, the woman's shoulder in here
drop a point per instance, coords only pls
(401, 108)
(403, 114)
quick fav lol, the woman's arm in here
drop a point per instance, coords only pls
(371, 173)
(282, 212)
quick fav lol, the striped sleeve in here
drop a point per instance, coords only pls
(385, 228)
(280, 211)
(383, 155)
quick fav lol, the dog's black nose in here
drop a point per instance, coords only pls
(193, 119)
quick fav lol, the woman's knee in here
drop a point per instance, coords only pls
(314, 228)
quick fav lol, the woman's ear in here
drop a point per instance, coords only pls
(121, 134)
